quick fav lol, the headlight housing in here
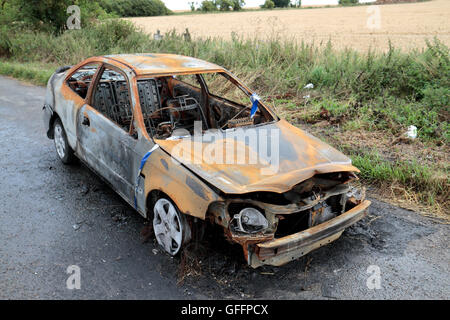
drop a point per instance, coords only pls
(250, 220)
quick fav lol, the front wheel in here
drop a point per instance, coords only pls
(170, 226)
(63, 150)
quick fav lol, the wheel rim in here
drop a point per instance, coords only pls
(59, 141)
(167, 226)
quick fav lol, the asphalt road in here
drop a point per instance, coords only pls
(53, 216)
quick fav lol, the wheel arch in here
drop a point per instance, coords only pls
(52, 120)
(156, 194)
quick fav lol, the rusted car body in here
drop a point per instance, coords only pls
(120, 115)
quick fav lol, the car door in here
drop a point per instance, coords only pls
(72, 97)
(106, 139)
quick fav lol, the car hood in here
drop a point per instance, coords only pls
(298, 157)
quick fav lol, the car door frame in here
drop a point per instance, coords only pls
(72, 102)
(127, 149)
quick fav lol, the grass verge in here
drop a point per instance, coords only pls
(36, 73)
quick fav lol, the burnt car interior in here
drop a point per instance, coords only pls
(171, 102)
(80, 80)
(111, 97)
(176, 102)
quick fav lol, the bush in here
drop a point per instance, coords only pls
(236, 5)
(224, 5)
(281, 3)
(208, 6)
(216, 5)
(47, 15)
(5, 44)
(268, 4)
(135, 8)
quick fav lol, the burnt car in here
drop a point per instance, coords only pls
(186, 143)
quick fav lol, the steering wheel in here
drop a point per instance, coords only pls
(164, 129)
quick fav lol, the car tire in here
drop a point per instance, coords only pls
(63, 149)
(170, 226)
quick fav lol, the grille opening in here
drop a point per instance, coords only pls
(292, 223)
(299, 221)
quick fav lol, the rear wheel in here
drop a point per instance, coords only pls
(63, 150)
(170, 226)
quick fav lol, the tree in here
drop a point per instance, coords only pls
(208, 5)
(238, 4)
(227, 5)
(50, 15)
(281, 3)
(268, 4)
(224, 5)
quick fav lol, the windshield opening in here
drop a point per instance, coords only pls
(173, 105)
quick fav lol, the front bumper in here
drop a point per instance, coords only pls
(277, 252)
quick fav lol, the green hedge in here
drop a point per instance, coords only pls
(135, 8)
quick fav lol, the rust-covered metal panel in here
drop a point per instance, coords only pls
(163, 64)
(165, 174)
(301, 157)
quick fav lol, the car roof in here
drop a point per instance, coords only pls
(157, 63)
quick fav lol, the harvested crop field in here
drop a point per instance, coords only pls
(407, 25)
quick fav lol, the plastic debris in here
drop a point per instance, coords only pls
(412, 132)
(254, 98)
(309, 86)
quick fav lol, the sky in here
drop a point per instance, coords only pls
(184, 4)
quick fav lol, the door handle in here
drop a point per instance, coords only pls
(86, 121)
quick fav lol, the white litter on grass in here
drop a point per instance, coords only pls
(307, 96)
(412, 132)
(309, 86)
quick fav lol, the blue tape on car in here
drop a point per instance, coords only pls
(254, 99)
(143, 161)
